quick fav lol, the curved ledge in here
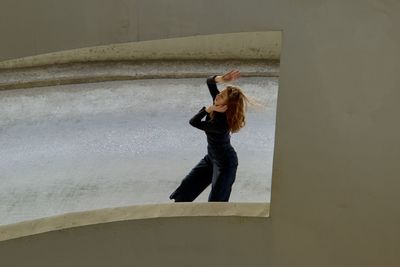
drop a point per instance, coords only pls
(76, 219)
(239, 45)
(90, 72)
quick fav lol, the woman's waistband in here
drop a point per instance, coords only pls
(219, 146)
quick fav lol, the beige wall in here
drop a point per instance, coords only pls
(241, 45)
(335, 172)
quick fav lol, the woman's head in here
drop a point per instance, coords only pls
(237, 106)
(222, 98)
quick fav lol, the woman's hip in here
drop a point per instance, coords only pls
(226, 156)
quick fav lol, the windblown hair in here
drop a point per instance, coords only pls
(237, 107)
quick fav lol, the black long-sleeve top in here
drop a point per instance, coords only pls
(217, 129)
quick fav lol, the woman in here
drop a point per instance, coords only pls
(218, 167)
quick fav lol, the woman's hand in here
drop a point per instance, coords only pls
(231, 76)
(216, 108)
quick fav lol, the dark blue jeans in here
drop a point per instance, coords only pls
(217, 168)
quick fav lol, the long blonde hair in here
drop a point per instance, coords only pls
(237, 107)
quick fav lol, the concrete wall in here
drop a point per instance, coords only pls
(238, 46)
(335, 172)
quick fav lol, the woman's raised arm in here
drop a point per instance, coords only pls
(213, 80)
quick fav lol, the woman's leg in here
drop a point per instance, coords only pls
(222, 182)
(198, 179)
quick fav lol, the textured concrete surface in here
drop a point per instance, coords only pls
(242, 45)
(132, 212)
(76, 73)
(81, 147)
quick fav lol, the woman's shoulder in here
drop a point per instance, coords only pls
(220, 117)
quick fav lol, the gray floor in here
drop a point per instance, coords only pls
(82, 147)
